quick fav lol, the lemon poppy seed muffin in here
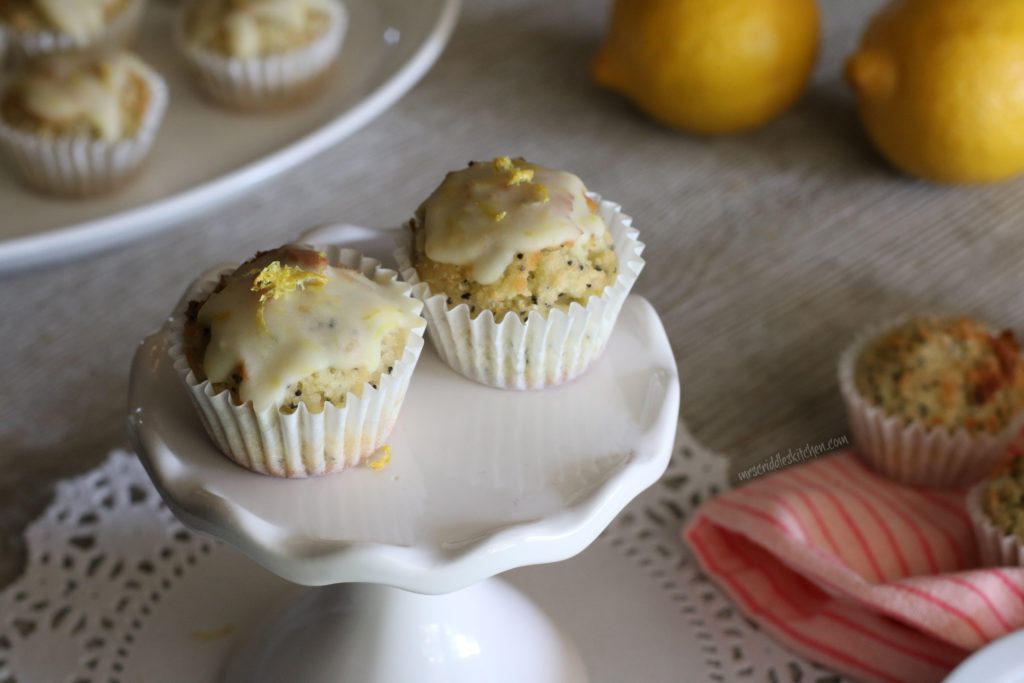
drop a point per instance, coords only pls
(83, 19)
(102, 98)
(522, 272)
(298, 360)
(933, 401)
(510, 236)
(286, 328)
(81, 123)
(38, 27)
(256, 28)
(1003, 500)
(254, 54)
(944, 372)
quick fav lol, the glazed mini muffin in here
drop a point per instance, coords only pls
(77, 124)
(38, 27)
(996, 507)
(935, 400)
(261, 53)
(300, 366)
(523, 271)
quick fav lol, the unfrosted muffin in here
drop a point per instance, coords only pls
(934, 401)
(508, 235)
(944, 372)
(996, 507)
(523, 272)
(77, 124)
(260, 53)
(38, 27)
(290, 342)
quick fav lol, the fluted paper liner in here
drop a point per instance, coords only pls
(995, 547)
(119, 33)
(79, 166)
(913, 454)
(302, 443)
(260, 82)
(539, 352)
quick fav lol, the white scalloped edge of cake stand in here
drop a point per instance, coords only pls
(116, 590)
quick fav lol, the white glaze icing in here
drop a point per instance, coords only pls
(337, 322)
(483, 215)
(65, 87)
(242, 21)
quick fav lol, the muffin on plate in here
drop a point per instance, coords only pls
(38, 27)
(996, 507)
(523, 272)
(298, 359)
(934, 401)
(254, 54)
(80, 124)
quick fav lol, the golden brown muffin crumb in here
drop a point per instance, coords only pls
(948, 372)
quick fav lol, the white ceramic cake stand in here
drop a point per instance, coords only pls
(480, 481)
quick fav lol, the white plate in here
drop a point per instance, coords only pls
(205, 155)
(998, 662)
(480, 480)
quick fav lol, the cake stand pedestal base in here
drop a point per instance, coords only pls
(487, 633)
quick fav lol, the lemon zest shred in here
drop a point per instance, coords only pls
(383, 460)
(503, 164)
(499, 216)
(520, 176)
(275, 280)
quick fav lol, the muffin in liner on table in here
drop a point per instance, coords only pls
(33, 28)
(298, 359)
(996, 507)
(522, 272)
(256, 54)
(80, 124)
(933, 401)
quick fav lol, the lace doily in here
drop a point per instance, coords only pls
(108, 551)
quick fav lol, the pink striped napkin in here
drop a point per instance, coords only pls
(873, 579)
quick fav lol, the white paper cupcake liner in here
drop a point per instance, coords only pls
(265, 81)
(927, 457)
(540, 352)
(300, 444)
(119, 33)
(995, 547)
(78, 166)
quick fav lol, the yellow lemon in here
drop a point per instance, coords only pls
(709, 66)
(940, 87)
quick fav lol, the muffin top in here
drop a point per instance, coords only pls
(1003, 499)
(103, 97)
(948, 372)
(287, 327)
(257, 28)
(508, 235)
(81, 19)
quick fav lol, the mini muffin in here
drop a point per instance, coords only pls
(253, 54)
(39, 27)
(934, 401)
(996, 507)
(299, 362)
(522, 271)
(79, 124)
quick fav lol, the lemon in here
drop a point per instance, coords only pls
(709, 66)
(940, 87)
